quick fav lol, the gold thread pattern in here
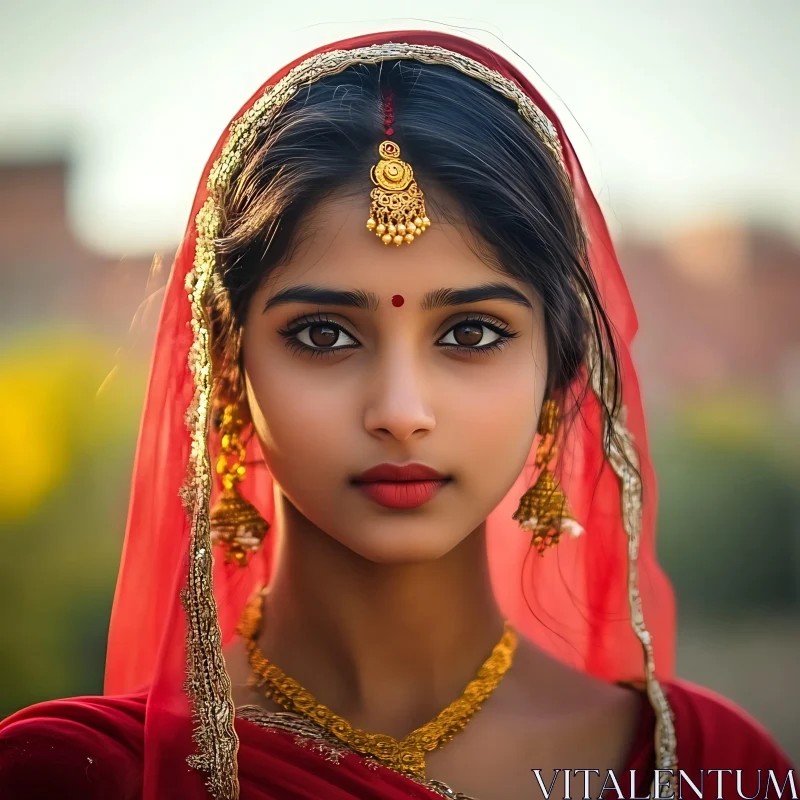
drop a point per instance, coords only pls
(207, 683)
(621, 454)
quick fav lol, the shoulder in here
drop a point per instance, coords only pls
(87, 747)
(711, 728)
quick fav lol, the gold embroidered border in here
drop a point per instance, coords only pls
(621, 454)
(207, 682)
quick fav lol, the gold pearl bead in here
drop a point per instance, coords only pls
(371, 224)
(418, 232)
(398, 239)
(411, 227)
(409, 237)
(392, 230)
(401, 229)
(426, 221)
(381, 229)
(418, 221)
(386, 238)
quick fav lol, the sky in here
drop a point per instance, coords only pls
(680, 111)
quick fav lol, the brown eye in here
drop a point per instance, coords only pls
(324, 336)
(470, 334)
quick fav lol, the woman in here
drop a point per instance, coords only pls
(415, 410)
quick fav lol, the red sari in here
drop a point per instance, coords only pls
(91, 748)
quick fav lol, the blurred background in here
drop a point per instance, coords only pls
(687, 119)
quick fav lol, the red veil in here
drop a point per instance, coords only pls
(599, 602)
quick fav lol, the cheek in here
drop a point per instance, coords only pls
(495, 418)
(499, 421)
(301, 421)
(307, 426)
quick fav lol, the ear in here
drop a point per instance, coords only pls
(242, 395)
(229, 390)
(244, 410)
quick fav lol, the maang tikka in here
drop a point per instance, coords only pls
(236, 525)
(543, 509)
(397, 213)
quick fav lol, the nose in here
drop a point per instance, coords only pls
(397, 406)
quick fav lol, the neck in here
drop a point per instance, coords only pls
(386, 646)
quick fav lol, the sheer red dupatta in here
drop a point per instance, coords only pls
(176, 604)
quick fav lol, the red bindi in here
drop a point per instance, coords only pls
(397, 300)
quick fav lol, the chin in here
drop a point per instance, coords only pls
(417, 544)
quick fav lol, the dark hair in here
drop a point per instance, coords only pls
(461, 136)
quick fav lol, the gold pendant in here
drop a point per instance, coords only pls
(397, 212)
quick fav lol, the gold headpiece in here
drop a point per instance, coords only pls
(397, 213)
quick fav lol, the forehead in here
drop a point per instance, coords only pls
(336, 249)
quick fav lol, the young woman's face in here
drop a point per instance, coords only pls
(359, 354)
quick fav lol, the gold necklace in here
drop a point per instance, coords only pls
(406, 755)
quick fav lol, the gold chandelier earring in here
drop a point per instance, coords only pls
(236, 525)
(543, 509)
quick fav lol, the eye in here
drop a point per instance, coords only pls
(323, 336)
(472, 334)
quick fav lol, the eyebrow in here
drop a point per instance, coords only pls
(324, 295)
(436, 298)
(440, 298)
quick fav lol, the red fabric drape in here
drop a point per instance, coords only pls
(92, 749)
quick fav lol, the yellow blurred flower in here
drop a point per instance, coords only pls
(34, 434)
(50, 412)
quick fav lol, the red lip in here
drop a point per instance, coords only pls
(401, 494)
(396, 472)
(401, 486)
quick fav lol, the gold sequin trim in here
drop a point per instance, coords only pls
(623, 458)
(207, 683)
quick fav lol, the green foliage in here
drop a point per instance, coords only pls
(71, 434)
(729, 510)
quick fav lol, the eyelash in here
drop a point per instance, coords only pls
(307, 321)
